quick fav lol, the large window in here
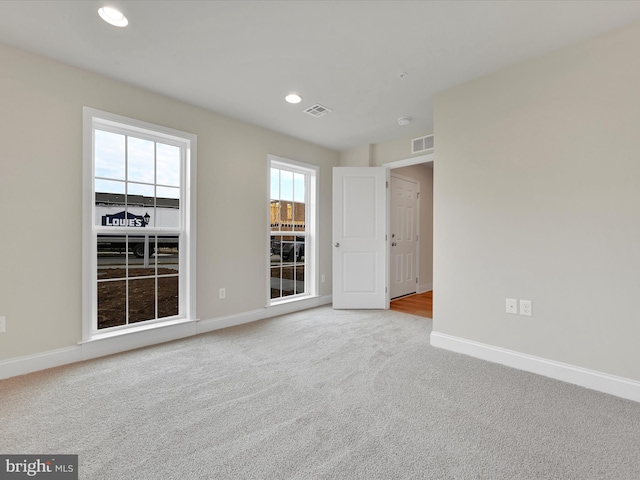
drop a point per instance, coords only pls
(292, 229)
(138, 257)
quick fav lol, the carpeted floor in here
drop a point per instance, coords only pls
(319, 394)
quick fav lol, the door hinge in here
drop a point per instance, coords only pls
(385, 289)
(418, 195)
(385, 238)
(387, 184)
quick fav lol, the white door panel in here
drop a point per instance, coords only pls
(404, 240)
(358, 272)
(359, 229)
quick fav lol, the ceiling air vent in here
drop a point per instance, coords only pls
(317, 110)
(422, 144)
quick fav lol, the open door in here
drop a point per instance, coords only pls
(403, 218)
(359, 237)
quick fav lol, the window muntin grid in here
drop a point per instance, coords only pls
(138, 226)
(289, 231)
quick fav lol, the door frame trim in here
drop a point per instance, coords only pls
(406, 162)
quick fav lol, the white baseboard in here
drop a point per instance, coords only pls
(108, 346)
(39, 361)
(267, 312)
(426, 287)
(592, 379)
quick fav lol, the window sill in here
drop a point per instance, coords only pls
(286, 300)
(137, 329)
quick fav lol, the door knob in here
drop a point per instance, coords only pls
(337, 244)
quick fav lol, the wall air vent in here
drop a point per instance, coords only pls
(317, 110)
(422, 144)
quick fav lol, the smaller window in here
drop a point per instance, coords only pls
(292, 219)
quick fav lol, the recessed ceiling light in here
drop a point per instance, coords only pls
(293, 98)
(113, 16)
(402, 121)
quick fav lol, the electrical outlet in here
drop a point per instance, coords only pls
(322, 278)
(526, 308)
(3, 324)
(512, 306)
(222, 293)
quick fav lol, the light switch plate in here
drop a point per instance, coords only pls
(512, 306)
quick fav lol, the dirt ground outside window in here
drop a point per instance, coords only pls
(112, 298)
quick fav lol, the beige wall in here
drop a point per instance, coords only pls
(423, 173)
(537, 197)
(356, 157)
(41, 193)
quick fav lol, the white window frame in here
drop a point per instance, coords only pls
(92, 119)
(311, 173)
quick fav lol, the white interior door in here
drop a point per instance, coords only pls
(404, 236)
(359, 237)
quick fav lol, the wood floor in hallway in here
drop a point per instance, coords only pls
(420, 304)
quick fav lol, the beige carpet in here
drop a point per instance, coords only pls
(319, 394)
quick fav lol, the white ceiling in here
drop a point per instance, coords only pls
(240, 58)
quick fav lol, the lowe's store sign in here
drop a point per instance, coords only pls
(123, 219)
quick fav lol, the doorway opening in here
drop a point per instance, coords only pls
(410, 274)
